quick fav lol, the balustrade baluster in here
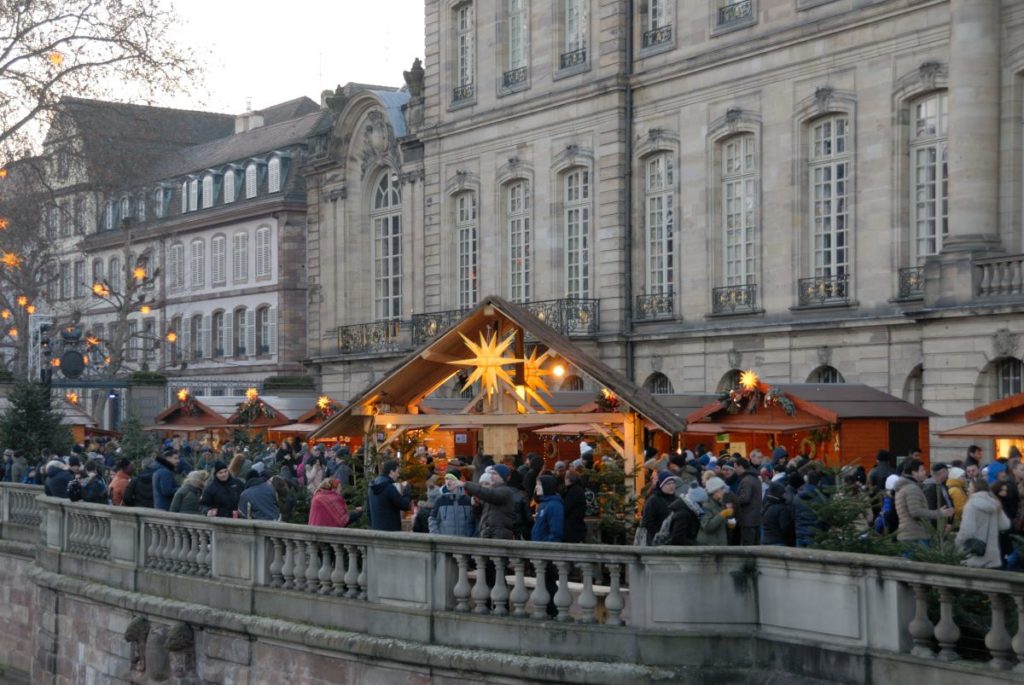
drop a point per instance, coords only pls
(338, 573)
(921, 627)
(168, 555)
(998, 637)
(519, 596)
(461, 589)
(481, 593)
(151, 546)
(193, 552)
(324, 576)
(361, 578)
(352, 573)
(276, 579)
(160, 552)
(1015, 277)
(312, 567)
(587, 601)
(71, 532)
(203, 559)
(299, 565)
(563, 598)
(946, 631)
(499, 593)
(1018, 639)
(985, 282)
(177, 549)
(89, 546)
(540, 596)
(614, 603)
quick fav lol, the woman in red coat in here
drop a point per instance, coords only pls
(328, 507)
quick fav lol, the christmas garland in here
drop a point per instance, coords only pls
(250, 411)
(189, 406)
(606, 401)
(747, 399)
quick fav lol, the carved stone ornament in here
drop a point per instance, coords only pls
(137, 633)
(823, 97)
(735, 358)
(733, 114)
(928, 71)
(379, 148)
(655, 134)
(825, 355)
(1005, 343)
(414, 79)
(181, 650)
(656, 362)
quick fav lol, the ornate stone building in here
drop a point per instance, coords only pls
(820, 190)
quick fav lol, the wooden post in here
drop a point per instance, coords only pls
(633, 444)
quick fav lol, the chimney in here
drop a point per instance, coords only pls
(249, 120)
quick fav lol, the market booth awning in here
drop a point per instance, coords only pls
(512, 354)
(1002, 419)
(186, 415)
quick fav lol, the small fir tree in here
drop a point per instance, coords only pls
(136, 444)
(31, 423)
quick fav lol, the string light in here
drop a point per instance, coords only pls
(172, 336)
(31, 309)
(183, 395)
(139, 273)
(55, 58)
(4, 223)
(145, 309)
(559, 370)
(13, 332)
(5, 314)
(72, 397)
(92, 341)
(100, 290)
(10, 260)
(22, 300)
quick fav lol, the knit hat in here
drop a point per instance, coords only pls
(663, 476)
(938, 466)
(994, 469)
(956, 473)
(714, 485)
(697, 495)
(74, 461)
(219, 466)
(502, 472)
(450, 479)
(197, 479)
(890, 482)
(560, 465)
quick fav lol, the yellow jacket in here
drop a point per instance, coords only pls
(955, 486)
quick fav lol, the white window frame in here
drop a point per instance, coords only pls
(1009, 372)
(251, 180)
(176, 265)
(193, 195)
(274, 175)
(520, 239)
(929, 175)
(467, 248)
(208, 191)
(158, 203)
(264, 253)
(576, 16)
(518, 34)
(114, 273)
(240, 257)
(218, 259)
(197, 263)
(830, 175)
(239, 333)
(386, 221)
(184, 197)
(659, 223)
(740, 233)
(230, 191)
(576, 217)
(465, 44)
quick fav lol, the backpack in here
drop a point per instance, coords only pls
(664, 533)
(128, 499)
(74, 490)
(524, 520)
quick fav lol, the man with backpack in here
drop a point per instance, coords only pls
(140, 491)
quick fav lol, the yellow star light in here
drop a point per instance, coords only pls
(183, 395)
(100, 290)
(535, 372)
(323, 402)
(92, 341)
(5, 314)
(172, 336)
(10, 260)
(251, 394)
(748, 380)
(31, 309)
(4, 223)
(488, 362)
(22, 300)
(139, 273)
(72, 397)
(55, 58)
(13, 332)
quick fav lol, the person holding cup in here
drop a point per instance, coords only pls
(714, 524)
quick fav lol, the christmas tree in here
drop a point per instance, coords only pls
(31, 424)
(135, 443)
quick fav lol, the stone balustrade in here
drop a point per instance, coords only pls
(20, 513)
(999, 276)
(651, 607)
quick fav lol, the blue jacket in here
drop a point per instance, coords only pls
(57, 478)
(550, 519)
(163, 485)
(387, 504)
(452, 514)
(259, 501)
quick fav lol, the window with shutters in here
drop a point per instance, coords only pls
(147, 341)
(158, 203)
(264, 257)
(115, 275)
(517, 218)
(739, 210)
(217, 333)
(386, 217)
(193, 195)
(229, 185)
(576, 217)
(184, 197)
(238, 333)
(174, 348)
(65, 281)
(250, 180)
(240, 257)
(659, 181)
(208, 192)
(197, 343)
(126, 208)
(97, 270)
(108, 218)
(575, 25)
(262, 330)
(132, 342)
(218, 260)
(274, 175)
(78, 274)
(176, 266)
(466, 236)
(197, 263)
(140, 208)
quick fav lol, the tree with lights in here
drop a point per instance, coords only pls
(30, 422)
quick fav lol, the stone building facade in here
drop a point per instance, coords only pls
(820, 190)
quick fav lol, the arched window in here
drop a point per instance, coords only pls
(830, 169)
(659, 219)
(520, 239)
(114, 273)
(218, 260)
(126, 208)
(108, 219)
(576, 198)
(572, 383)
(658, 384)
(274, 175)
(229, 185)
(97, 270)
(250, 180)
(140, 208)
(739, 210)
(176, 266)
(386, 216)
(193, 195)
(826, 374)
(913, 387)
(466, 242)
(208, 191)
(929, 175)
(1008, 377)
(158, 203)
(264, 257)
(217, 333)
(197, 263)
(240, 256)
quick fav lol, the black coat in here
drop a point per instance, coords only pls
(386, 504)
(778, 523)
(574, 527)
(656, 510)
(685, 524)
(222, 496)
(57, 480)
(140, 490)
(879, 474)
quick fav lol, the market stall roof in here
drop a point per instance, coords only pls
(421, 372)
(286, 410)
(74, 415)
(1011, 407)
(197, 416)
(1003, 418)
(298, 427)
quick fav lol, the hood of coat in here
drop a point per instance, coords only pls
(807, 491)
(54, 467)
(548, 484)
(380, 483)
(985, 501)
(681, 503)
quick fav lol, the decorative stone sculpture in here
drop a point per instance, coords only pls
(181, 648)
(137, 633)
(414, 79)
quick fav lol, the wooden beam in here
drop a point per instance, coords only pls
(442, 420)
(612, 439)
(435, 356)
(395, 435)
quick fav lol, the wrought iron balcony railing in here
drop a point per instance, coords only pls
(662, 34)
(911, 285)
(734, 298)
(824, 290)
(733, 12)
(513, 77)
(426, 327)
(463, 92)
(652, 307)
(573, 317)
(573, 59)
(376, 336)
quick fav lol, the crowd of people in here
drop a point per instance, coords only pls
(693, 497)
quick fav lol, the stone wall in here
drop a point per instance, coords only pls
(17, 613)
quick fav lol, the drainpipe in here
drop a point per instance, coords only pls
(627, 310)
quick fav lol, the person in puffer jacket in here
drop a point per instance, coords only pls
(777, 524)
(452, 511)
(807, 521)
(549, 523)
(499, 518)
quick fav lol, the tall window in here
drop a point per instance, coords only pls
(658, 384)
(158, 203)
(929, 175)
(114, 274)
(197, 265)
(184, 197)
(217, 333)
(193, 195)
(148, 339)
(577, 233)
(739, 210)
(658, 198)
(518, 41)
(208, 191)
(97, 270)
(264, 257)
(132, 343)
(65, 281)
(78, 276)
(520, 241)
(176, 266)
(264, 332)
(197, 338)
(229, 185)
(126, 208)
(174, 348)
(387, 248)
(240, 256)
(240, 333)
(465, 48)
(274, 175)
(829, 192)
(140, 208)
(63, 219)
(108, 218)
(250, 180)
(575, 45)
(218, 259)
(466, 236)
(657, 23)
(1008, 377)
(79, 215)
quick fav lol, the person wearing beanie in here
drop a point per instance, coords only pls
(996, 471)
(388, 498)
(94, 489)
(163, 479)
(955, 486)
(777, 517)
(500, 517)
(186, 499)
(452, 511)
(222, 492)
(58, 475)
(549, 523)
(714, 524)
(656, 507)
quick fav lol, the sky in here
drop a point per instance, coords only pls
(273, 52)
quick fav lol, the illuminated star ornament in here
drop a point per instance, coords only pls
(251, 394)
(10, 260)
(4, 223)
(55, 58)
(183, 395)
(139, 273)
(534, 373)
(748, 380)
(488, 362)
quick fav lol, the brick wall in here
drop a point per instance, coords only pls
(17, 617)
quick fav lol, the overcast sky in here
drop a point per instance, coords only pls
(272, 52)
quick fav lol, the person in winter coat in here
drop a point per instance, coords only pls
(163, 480)
(452, 511)
(714, 524)
(388, 499)
(499, 518)
(656, 507)
(536, 463)
(748, 503)
(93, 488)
(777, 522)
(912, 506)
(140, 490)
(259, 499)
(575, 500)
(983, 520)
(222, 492)
(58, 475)
(15, 466)
(186, 498)
(548, 526)
(316, 471)
(328, 507)
(684, 518)
(806, 520)
(878, 475)
(119, 483)
(955, 485)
